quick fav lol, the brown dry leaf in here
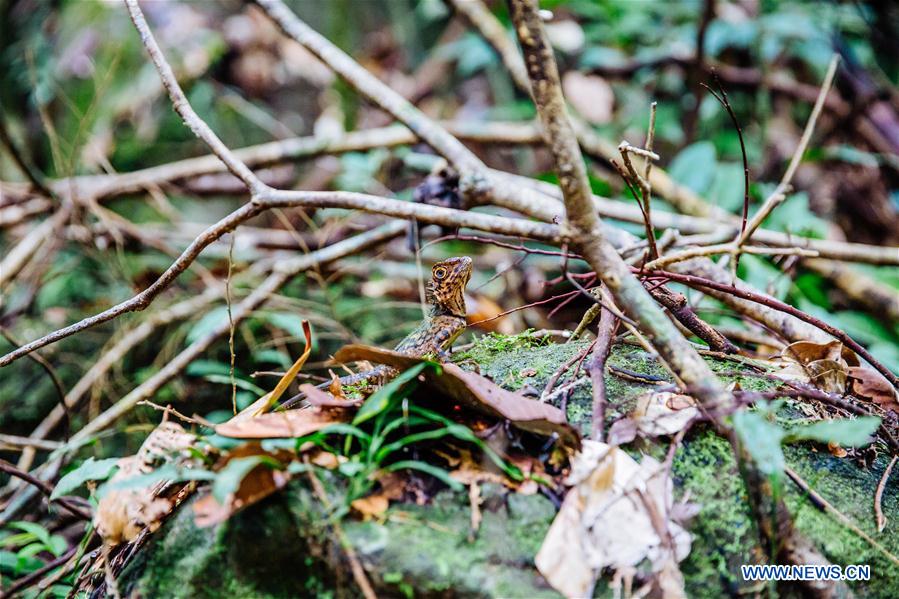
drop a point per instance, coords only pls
(336, 387)
(286, 424)
(486, 313)
(828, 375)
(324, 399)
(591, 96)
(825, 365)
(264, 403)
(622, 431)
(122, 514)
(809, 351)
(476, 392)
(259, 483)
(868, 384)
(371, 507)
(663, 413)
(587, 535)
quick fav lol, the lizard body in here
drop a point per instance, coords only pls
(446, 317)
(436, 333)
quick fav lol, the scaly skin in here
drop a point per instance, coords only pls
(446, 319)
(443, 325)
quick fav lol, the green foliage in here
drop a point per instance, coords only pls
(387, 426)
(695, 166)
(762, 436)
(849, 432)
(90, 469)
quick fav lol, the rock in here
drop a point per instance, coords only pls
(285, 547)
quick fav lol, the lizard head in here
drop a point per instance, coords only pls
(448, 281)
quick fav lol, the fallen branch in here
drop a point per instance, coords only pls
(780, 306)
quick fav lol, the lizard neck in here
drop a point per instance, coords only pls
(437, 309)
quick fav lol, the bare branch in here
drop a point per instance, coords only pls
(369, 86)
(183, 107)
(587, 232)
(779, 194)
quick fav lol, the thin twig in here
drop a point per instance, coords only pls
(828, 507)
(780, 306)
(44, 488)
(596, 368)
(448, 217)
(878, 495)
(779, 193)
(183, 107)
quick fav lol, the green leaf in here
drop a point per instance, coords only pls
(11, 563)
(726, 190)
(90, 469)
(438, 473)
(400, 386)
(848, 432)
(38, 532)
(207, 324)
(207, 367)
(228, 479)
(224, 379)
(762, 439)
(695, 166)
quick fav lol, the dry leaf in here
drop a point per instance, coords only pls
(828, 375)
(622, 431)
(259, 483)
(825, 365)
(476, 392)
(286, 424)
(264, 403)
(323, 399)
(591, 96)
(587, 535)
(122, 514)
(336, 387)
(663, 413)
(871, 385)
(373, 506)
(486, 313)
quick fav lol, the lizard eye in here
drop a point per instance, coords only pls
(439, 272)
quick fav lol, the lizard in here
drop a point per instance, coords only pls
(437, 332)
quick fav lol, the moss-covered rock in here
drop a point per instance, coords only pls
(287, 546)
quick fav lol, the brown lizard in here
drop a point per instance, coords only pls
(437, 332)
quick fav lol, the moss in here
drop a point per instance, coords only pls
(285, 546)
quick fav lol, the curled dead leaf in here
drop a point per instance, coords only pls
(825, 365)
(285, 424)
(476, 392)
(610, 488)
(373, 506)
(122, 514)
(663, 413)
(870, 385)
